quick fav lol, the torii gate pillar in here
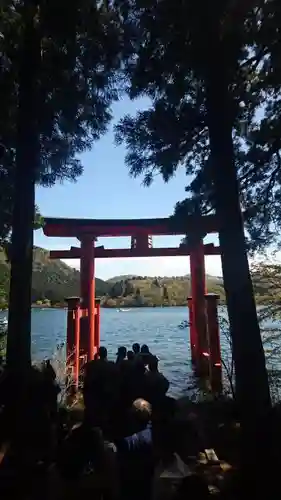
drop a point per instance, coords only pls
(198, 307)
(87, 276)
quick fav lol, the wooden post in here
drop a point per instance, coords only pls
(73, 329)
(192, 333)
(198, 285)
(76, 373)
(88, 295)
(97, 325)
(214, 341)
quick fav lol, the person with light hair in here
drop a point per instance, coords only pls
(135, 454)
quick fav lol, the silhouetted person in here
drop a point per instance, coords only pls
(100, 388)
(51, 388)
(163, 429)
(137, 380)
(156, 383)
(130, 356)
(136, 348)
(49, 370)
(145, 354)
(135, 456)
(102, 353)
(121, 354)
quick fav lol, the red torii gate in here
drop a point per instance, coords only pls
(204, 333)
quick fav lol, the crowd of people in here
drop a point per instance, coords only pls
(128, 412)
(109, 385)
(129, 433)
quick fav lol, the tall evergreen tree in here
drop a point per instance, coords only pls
(58, 79)
(195, 63)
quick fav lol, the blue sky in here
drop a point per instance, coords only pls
(105, 190)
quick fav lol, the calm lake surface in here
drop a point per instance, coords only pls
(156, 327)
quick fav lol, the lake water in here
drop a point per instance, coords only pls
(156, 327)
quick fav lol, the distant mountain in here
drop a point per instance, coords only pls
(135, 291)
(123, 277)
(52, 280)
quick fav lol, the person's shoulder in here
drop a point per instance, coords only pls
(111, 364)
(124, 364)
(111, 367)
(138, 439)
(90, 367)
(90, 364)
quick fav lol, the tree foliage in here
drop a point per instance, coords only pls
(76, 86)
(52, 280)
(199, 63)
(60, 82)
(267, 280)
(170, 68)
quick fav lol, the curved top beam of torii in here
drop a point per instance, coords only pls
(194, 224)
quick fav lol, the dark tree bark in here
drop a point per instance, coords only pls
(27, 154)
(252, 390)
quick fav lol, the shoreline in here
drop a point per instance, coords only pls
(118, 306)
(127, 307)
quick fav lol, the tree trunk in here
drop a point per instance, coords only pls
(252, 390)
(27, 156)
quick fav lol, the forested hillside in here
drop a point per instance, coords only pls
(143, 291)
(52, 280)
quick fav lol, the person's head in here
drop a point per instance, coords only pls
(122, 352)
(48, 370)
(130, 355)
(141, 412)
(102, 353)
(136, 348)
(144, 349)
(153, 364)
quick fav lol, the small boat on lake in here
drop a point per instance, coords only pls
(183, 324)
(123, 310)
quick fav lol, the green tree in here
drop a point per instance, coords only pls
(117, 289)
(195, 64)
(259, 163)
(156, 283)
(59, 83)
(128, 288)
(267, 283)
(165, 293)
(139, 300)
